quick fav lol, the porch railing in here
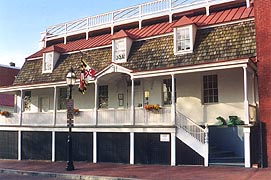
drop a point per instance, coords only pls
(161, 117)
(106, 117)
(12, 119)
(114, 117)
(192, 128)
(125, 15)
(37, 118)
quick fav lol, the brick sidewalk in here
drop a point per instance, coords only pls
(84, 170)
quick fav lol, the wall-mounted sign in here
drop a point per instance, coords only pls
(164, 138)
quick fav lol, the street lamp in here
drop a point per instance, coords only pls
(70, 80)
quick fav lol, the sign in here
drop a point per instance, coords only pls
(70, 107)
(164, 138)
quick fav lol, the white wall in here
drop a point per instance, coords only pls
(230, 91)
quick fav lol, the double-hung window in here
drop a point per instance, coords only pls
(120, 50)
(47, 62)
(167, 91)
(183, 39)
(62, 98)
(210, 89)
(103, 96)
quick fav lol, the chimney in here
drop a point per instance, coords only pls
(12, 64)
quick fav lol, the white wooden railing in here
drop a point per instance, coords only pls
(192, 128)
(86, 117)
(161, 117)
(114, 117)
(193, 135)
(131, 14)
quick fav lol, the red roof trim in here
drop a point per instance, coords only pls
(183, 22)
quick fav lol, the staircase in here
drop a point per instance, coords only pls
(193, 135)
(218, 157)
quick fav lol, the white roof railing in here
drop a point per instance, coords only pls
(127, 15)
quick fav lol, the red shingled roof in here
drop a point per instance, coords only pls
(153, 30)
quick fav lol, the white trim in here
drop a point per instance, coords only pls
(173, 149)
(53, 146)
(132, 147)
(161, 129)
(94, 147)
(194, 68)
(247, 146)
(19, 145)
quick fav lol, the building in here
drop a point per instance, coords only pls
(7, 76)
(165, 72)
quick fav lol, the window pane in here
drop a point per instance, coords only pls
(210, 89)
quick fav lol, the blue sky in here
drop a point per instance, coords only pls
(22, 21)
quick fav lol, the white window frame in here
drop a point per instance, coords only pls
(190, 40)
(211, 96)
(120, 52)
(49, 61)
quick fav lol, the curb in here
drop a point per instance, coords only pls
(61, 175)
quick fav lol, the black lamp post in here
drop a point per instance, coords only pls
(70, 80)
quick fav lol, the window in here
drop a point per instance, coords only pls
(183, 39)
(120, 50)
(47, 62)
(103, 96)
(27, 101)
(62, 98)
(167, 91)
(210, 89)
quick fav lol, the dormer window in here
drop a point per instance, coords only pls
(121, 45)
(120, 50)
(184, 36)
(183, 39)
(50, 57)
(47, 62)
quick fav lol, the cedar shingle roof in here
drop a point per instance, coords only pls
(220, 43)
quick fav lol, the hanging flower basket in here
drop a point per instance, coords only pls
(5, 113)
(76, 111)
(152, 107)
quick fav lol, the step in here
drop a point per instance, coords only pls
(233, 159)
(221, 154)
(227, 164)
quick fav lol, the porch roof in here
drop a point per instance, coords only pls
(215, 44)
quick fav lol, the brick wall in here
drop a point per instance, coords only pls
(263, 44)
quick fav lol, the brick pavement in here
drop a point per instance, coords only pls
(110, 171)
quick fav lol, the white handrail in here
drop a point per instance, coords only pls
(133, 13)
(192, 128)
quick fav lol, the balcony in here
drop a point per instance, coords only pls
(86, 118)
(131, 14)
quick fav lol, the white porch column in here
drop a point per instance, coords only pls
(21, 108)
(96, 103)
(94, 147)
(246, 119)
(173, 104)
(246, 110)
(173, 149)
(53, 146)
(247, 146)
(19, 145)
(132, 102)
(55, 107)
(132, 147)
